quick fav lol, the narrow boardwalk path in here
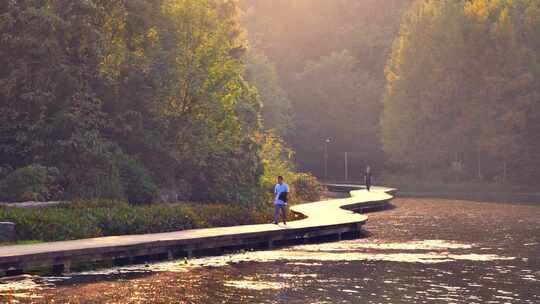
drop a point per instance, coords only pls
(324, 218)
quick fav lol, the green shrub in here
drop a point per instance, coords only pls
(50, 224)
(277, 160)
(219, 215)
(30, 183)
(306, 188)
(138, 186)
(100, 180)
(87, 219)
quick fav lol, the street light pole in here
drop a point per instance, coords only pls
(346, 166)
(326, 142)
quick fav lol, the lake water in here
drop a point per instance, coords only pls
(421, 251)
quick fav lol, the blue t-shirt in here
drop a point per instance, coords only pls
(278, 190)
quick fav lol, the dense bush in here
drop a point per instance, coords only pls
(30, 183)
(277, 160)
(108, 218)
(138, 186)
(101, 180)
(218, 215)
(306, 188)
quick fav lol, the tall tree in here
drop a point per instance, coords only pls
(94, 86)
(49, 88)
(339, 102)
(461, 87)
(276, 111)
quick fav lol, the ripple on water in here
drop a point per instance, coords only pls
(255, 285)
(382, 245)
(26, 286)
(425, 252)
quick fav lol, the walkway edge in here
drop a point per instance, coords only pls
(323, 219)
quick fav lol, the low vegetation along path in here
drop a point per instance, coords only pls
(325, 218)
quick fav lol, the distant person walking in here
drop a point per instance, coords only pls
(367, 178)
(281, 192)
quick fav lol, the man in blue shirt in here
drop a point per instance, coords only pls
(281, 192)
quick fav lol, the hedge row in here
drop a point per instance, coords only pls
(107, 218)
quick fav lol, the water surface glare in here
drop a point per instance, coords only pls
(422, 251)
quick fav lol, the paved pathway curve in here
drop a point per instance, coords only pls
(322, 218)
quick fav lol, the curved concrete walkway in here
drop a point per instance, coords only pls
(331, 217)
(340, 211)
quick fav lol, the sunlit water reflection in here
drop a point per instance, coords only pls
(422, 251)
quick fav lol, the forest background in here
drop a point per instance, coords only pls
(209, 100)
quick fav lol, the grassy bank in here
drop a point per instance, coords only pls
(107, 218)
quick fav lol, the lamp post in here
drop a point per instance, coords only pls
(326, 142)
(346, 166)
